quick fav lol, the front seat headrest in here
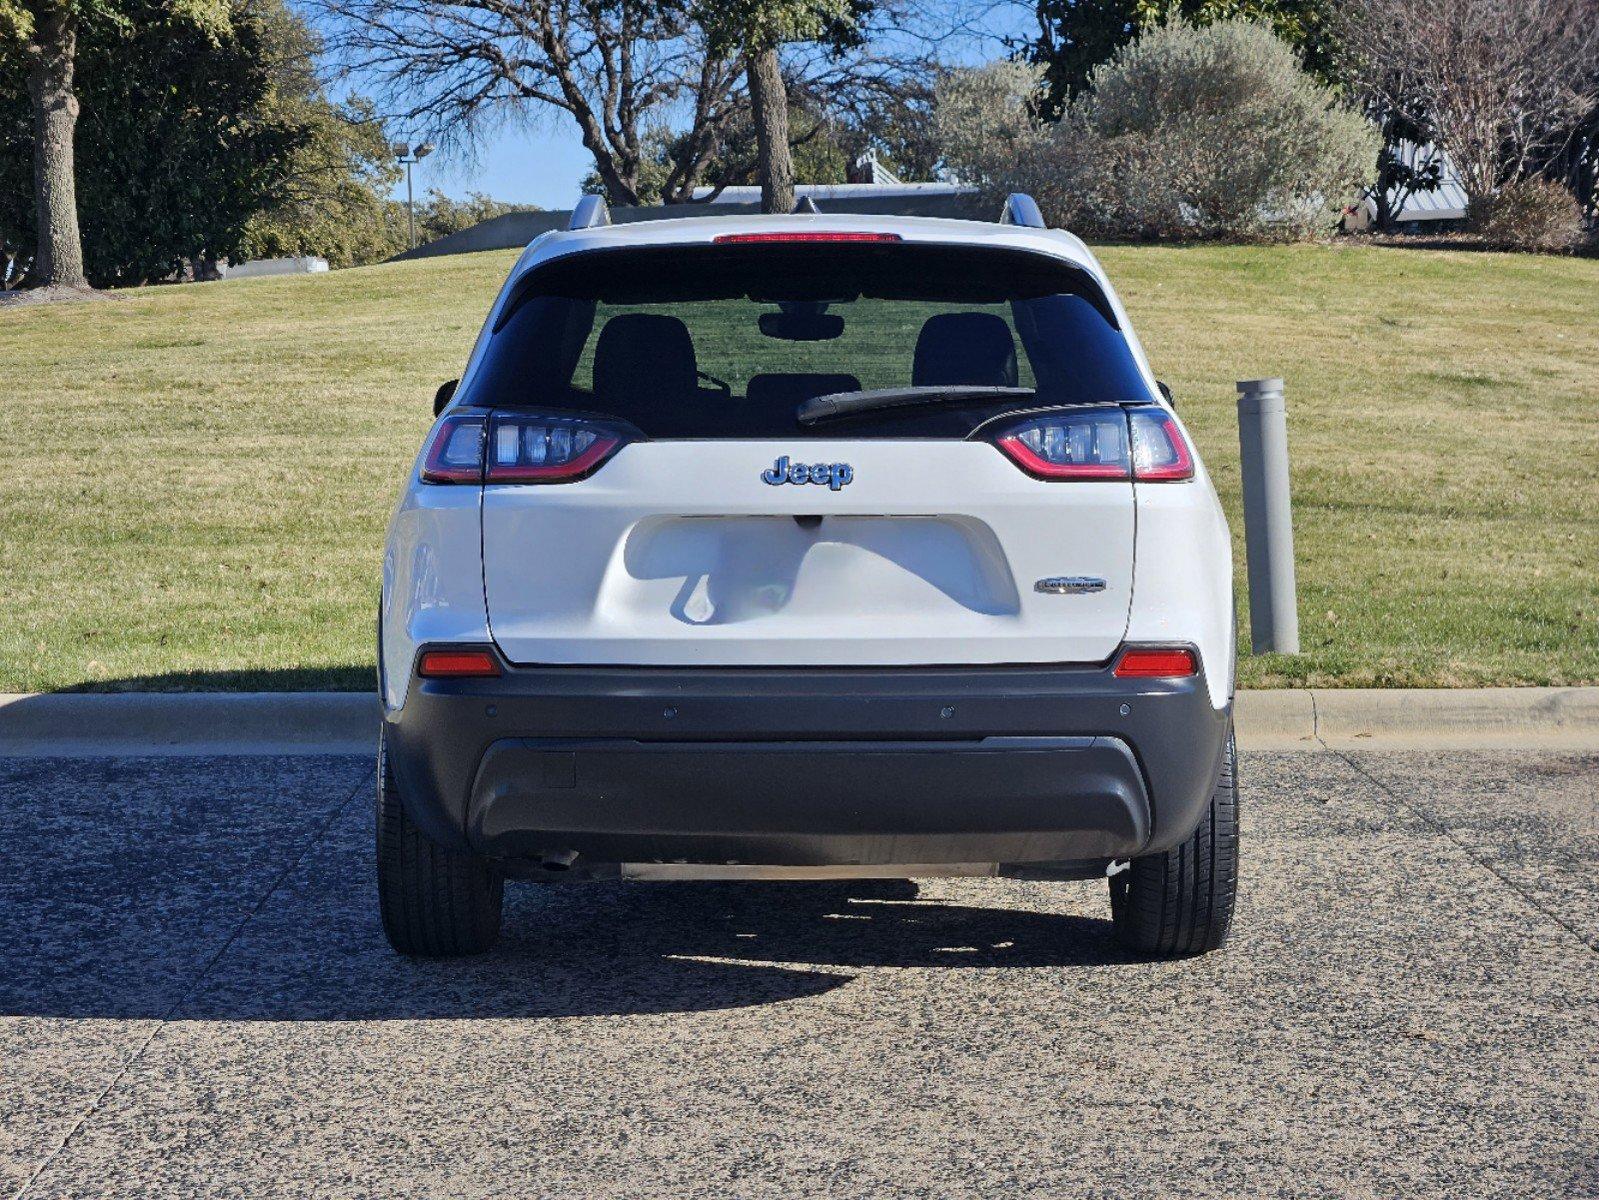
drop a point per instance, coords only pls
(643, 353)
(969, 347)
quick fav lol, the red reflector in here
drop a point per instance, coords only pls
(837, 235)
(457, 664)
(1156, 662)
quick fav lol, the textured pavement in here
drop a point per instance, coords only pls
(195, 999)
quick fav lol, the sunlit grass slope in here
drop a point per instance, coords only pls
(196, 478)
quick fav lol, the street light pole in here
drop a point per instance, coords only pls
(410, 156)
(410, 206)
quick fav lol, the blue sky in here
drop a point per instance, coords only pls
(521, 166)
(544, 164)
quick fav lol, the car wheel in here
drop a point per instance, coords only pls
(1180, 902)
(435, 903)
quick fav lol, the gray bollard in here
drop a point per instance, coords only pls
(1268, 516)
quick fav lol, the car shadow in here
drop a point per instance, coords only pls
(242, 888)
(566, 950)
(334, 677)
(617, 949)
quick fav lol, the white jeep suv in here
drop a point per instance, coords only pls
(806, 547)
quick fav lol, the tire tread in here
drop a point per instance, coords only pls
(1180, 902)
(434, 902)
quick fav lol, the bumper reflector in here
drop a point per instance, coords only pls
(457, 664)
(1156, 662)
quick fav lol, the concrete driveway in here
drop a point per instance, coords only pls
(195, 999)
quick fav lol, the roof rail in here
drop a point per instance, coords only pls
(591, 213)
(806, 206)
(1022, 209)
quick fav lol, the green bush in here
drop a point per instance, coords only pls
(1194, 132)
(1528, 214)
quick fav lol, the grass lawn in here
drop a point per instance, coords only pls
(198, 477)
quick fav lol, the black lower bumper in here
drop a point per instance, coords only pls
(807, 767)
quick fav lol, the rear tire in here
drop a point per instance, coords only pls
(435, 903)
(1180, 902)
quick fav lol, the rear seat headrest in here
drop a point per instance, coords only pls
(969, 347)
(644, 352)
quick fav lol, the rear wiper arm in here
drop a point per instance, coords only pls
(843, 404)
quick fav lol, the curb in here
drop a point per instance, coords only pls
(1420, 718)
(76, 724)
(73, 724)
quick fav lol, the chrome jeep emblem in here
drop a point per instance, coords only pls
(834, 475)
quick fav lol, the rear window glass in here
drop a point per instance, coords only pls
(728, 341)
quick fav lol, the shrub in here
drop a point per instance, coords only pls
(1528, 214)
(1212, 131)
(984, 124)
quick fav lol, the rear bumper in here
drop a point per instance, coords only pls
(807, 767)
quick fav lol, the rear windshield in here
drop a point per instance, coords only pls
(727, 341)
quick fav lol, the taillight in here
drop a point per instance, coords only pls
(544, 449)
(457, 664)
(1160, 452)
(1089, 443)
(518, 448)
(1156, 662)
(1100, 443)
(455, 454)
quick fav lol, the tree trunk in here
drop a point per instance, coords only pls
(51, 51)
(1383, 219)
(769, 100)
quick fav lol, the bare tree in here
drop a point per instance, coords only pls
(615, 67)
(717, 102)
(633, 75)
(1499, 84)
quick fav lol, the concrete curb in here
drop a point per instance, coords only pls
(73, 724)
(228, 723)
(1421, 718)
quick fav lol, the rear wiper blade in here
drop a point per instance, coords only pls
(843, 404)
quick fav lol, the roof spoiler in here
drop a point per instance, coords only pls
(591, 213)
(1022, 209)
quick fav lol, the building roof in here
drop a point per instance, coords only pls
(1446, 202)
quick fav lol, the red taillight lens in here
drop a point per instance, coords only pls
(517, 448)
(837, 235)
(1160, 452)
(1088, 444)
(455, 455)
(544, 449)
(1156, 662)
(457, 664)
(1100, 443)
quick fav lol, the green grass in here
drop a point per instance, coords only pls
(197, 478)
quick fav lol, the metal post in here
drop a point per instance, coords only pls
(410, 203)
(1268, 516)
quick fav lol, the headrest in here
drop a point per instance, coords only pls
(970, 347)
(644, 352)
